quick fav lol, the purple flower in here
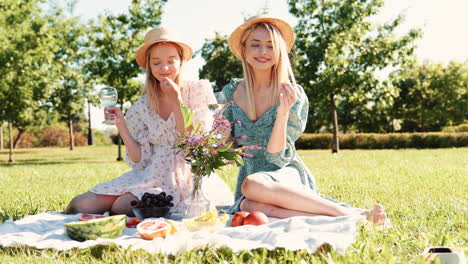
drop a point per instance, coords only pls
(194, 139)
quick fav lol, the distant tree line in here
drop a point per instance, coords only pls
(338, 57)
(51, 61)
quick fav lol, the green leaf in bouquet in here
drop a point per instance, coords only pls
(208, 170)
(196, 163)
(187, 114)
(224, 148)
(197, 127)
(218, 164)
(239, 160)
(229, 155)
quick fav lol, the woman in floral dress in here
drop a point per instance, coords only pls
(273, 111)
(150, 130)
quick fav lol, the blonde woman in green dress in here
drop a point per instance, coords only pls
(272, 110)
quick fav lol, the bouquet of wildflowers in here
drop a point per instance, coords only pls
(208, 151)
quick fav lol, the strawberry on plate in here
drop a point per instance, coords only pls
(133, 222)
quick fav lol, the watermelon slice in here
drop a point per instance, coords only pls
(86, 217)
(104, 227)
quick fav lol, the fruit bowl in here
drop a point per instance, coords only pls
(151, 212)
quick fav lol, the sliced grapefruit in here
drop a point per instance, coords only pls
(152, 228)
(86, 217)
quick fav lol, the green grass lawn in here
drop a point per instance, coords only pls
(424, 192)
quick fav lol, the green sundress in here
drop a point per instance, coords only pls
(285, 167)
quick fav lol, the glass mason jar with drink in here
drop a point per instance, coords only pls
(108, 96)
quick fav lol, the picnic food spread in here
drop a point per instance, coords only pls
(93, 226)
(106, 227)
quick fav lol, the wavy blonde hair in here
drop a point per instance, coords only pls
(152, 85)
(280, 72)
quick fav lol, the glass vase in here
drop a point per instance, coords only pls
(196, 204)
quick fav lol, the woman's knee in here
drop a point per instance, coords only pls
(82, 203)
(253, 183)
(90, 203)
(124, 205)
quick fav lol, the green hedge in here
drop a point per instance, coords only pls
(385, 141)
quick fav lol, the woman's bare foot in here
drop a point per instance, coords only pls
(377, 215)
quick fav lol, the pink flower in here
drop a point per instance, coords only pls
(238, 137)
(251, 147)
(246, 154)
(220, 124)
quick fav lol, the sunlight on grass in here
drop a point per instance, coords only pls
(424, 192)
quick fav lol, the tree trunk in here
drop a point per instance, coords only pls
(1, 136)
(119, 139)
(10, 128)
(70, 132)
(119, 142)
(90, 131)
(18, 137)
(334, 116)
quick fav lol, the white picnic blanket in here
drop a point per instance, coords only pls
(46, 230)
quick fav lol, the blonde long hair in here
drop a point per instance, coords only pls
(280, 72)
(152, 85)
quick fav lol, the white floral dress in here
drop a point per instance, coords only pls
(160, 167)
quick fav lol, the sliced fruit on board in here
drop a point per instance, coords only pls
(107, 227)
(153, 228)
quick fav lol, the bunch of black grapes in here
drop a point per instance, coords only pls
(154, 200)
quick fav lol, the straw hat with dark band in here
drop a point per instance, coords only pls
(285, 29)
(157, 35)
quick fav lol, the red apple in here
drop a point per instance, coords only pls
(238, 218)
(256, 218)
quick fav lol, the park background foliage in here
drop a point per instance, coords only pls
(53, 60)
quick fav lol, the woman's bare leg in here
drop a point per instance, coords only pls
(123, 205)
(90, 203)
(299, 201)
(256, 188)
(376, 214)
(271, 210)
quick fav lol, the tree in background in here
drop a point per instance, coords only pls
(221, 65)
(70, 89)
(430, 96)
(339, 52)
(26, 57)
(114, 40)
